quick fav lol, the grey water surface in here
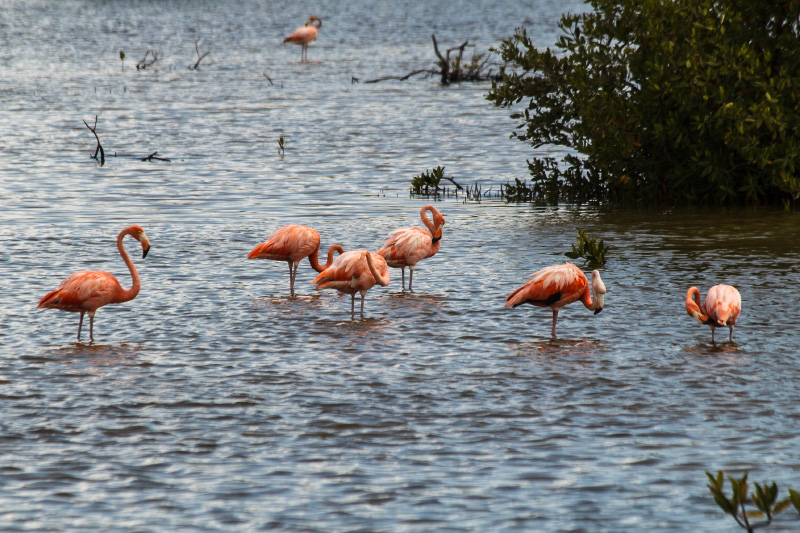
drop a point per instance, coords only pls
(214, 401)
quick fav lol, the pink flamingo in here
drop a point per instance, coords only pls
(557, 286)
(87, 291)
(292, 244)
(304, 35)
(722, 307)
(405, 247)
(352, 272)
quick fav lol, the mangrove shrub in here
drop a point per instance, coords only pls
(668, 101)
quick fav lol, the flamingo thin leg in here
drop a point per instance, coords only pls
(362, 307)
(80, 325)
(555, 317)
(91, 327)
(352, 306)
(410, 277)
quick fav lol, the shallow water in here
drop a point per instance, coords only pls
(215, 401)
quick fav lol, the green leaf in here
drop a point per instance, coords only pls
(795, 498)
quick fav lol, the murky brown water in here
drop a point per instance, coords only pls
(215, 401)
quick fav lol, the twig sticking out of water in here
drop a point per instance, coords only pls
(268, 78)
(99, 146)
(152, 156)
(201, 56)
(143, 64)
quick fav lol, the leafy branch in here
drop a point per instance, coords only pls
(592, 252)
(765, 498)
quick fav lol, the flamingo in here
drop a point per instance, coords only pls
(405, 247)
(304, 35)
(722, 307)
(352, 272)
(557, 286)
(292, 244)
(87, 291)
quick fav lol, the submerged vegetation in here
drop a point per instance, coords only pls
(664, 102)
(587, 248)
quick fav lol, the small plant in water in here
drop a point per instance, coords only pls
(592, 252)
(423, 183)
(122, 58)
(519, 192)
(765, 498)
(281, 143)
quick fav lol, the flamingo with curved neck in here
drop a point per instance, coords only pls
(87, 291)
(304, 35)
(354, 272)
(292, 244)
(405, 247)
(722, 307)
(557, 286)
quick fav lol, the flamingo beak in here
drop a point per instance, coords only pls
(144, 251)
(597, 311)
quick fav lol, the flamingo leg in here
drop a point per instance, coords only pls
(91, 327)
(410, 277)
(291, 279)
(555, 317)
(730, 337)
(403, 271)
(712, 334)
(362, 307)
(80, 325)
(352, 306)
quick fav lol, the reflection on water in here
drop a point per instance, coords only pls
(214, 401)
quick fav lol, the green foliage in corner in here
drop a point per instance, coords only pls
(669, 102)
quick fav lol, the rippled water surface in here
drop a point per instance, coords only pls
(215, 401)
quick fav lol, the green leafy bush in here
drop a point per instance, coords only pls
(682, 101)
(427, 182)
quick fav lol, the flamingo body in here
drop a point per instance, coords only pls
(292, 244)
(304, 35)
(722, 307)
(354, 272)
(87, 291)
(557, 286)
(405, 247)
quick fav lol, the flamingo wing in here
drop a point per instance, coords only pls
(406, 247)
(302, 35)
(83, 291)
(554, 286)
(289, 243)
(343, 269)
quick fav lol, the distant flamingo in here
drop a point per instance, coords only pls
(557, 286)
(722, 307)
(87, 291)
(405, 247)
(304, 35)
(352, 272)
(292, 244)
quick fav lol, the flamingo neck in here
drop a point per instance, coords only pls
(131, 293)
(383, 281)
(426, 220)
(313, 259)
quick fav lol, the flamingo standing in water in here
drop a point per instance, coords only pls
(304, 35)
(292, 244)
(87, 291)
(405, 247)
(557, 286)
(722, 307)
(352, 272)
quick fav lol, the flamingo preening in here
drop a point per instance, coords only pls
(721, 308)
(557, 286)
(304, 35)
(405, 247)
(292, 244)
(87, 291)
(352, 272)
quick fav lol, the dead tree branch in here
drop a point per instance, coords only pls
(452, 70)
(99, 146)
(143, 64)
(152, 156)
(199, 56)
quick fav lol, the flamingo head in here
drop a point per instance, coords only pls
(313, 18)
(438, 224)
(138, 233)
(599, 290)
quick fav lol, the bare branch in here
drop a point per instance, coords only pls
(153, 156)
(199, 56)
(99, 146)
